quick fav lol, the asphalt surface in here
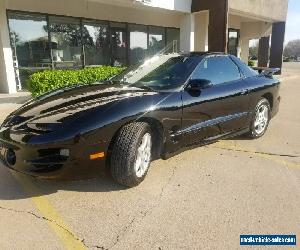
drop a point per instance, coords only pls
(201, 199)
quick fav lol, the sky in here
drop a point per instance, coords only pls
(293, 21)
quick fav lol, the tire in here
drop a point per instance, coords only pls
(257, 131)
(129, 162)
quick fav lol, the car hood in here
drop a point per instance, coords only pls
(67, 104)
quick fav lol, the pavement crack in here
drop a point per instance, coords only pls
(43, 218)
(93, 246)
(167, 183)
(122, 233)
(256, 152)
(161, 194)
(146, 212)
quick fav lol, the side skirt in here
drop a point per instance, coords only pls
(207, 141)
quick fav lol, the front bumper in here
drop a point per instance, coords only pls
(47, 161)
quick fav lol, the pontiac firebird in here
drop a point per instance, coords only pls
(152, 110)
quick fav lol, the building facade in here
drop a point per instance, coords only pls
(40, 34)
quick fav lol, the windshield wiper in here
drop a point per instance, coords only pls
(127, 84)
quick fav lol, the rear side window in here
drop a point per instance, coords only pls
(217, 69)
(247, 71)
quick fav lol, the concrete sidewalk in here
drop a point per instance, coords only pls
(17, 98)
(9, 102)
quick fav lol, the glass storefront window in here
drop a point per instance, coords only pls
(173, 40)
(138, 43)
(156, 40)
(78, 42)
(96, 43)
(65, 35)
(119, 44)
(29, 39)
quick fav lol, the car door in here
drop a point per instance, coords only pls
(216, 110)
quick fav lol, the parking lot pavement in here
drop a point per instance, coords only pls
(201, 199)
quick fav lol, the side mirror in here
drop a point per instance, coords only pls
(198, 84)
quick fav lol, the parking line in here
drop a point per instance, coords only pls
(54, 220)
(227, 145)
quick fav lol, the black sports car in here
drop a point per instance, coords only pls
(152, 110)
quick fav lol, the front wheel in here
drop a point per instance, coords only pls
(261, 119)
(131, 154)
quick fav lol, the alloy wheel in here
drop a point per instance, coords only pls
(261, 119)
(143, 155)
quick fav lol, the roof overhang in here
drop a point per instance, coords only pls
(183, 6)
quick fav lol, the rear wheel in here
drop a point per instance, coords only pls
(131, 154)
(261, 119)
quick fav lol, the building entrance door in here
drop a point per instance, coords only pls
(233, 41)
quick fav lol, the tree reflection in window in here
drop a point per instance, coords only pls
(156, 41)
(29, 39)
(65, 35)
(96, 43)
(138, 43)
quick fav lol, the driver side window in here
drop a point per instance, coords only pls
(217, 69)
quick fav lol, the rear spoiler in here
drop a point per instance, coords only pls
(266, 71)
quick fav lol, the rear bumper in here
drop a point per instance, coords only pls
(46, 161)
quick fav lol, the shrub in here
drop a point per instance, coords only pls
(251, 63)
(42, 82)
(25, 73)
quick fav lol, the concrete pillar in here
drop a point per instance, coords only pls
(245, 49)
(277, 40)
(218, 27)
(218, 22)
(201, 31)
(7, 74)
(263, 51)
(187, 33)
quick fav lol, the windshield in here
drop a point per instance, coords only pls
(159, 72)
